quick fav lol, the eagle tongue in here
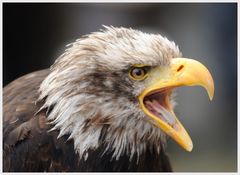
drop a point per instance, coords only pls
(159, 111)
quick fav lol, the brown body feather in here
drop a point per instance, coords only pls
(29, 146)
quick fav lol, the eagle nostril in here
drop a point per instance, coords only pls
(180, 68)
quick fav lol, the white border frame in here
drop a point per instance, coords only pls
(123, 1)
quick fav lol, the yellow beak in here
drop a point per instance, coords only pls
(180, 72)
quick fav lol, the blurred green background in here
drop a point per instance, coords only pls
(34, 35)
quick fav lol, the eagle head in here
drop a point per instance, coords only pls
(114, 88)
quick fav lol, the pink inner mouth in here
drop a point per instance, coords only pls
(158, 104)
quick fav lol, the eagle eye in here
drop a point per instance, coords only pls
(139, 72)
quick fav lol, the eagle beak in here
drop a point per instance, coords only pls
(155, 101)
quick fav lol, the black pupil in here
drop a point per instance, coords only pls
(138, 72)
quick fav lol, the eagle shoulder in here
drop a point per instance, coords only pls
(27, 144)
(19, 104)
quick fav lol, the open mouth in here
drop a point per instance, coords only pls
(158, 104)
(155, 99)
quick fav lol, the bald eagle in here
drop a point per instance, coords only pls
(106, 104)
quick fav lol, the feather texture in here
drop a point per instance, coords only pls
(29, 146)
(83, 114)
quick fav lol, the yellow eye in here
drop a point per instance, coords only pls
(139, 73)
